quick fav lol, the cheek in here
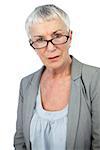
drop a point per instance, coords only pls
(63, 48)
(66, 47)
(41, 56)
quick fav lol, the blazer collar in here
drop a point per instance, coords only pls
(76, 68)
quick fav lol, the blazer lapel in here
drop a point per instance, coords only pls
(74, 105)
(30, 97)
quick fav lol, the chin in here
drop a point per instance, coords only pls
(55, 65)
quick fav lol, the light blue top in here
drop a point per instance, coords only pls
(48, 129)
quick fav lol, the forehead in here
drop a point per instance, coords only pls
(45, 28)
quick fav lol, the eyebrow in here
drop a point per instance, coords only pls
(51, 34)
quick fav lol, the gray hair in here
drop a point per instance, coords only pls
(44, 13)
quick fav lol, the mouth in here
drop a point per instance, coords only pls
(54, 58)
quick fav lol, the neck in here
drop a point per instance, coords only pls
(64, 71)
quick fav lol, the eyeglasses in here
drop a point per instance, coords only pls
(41, 43)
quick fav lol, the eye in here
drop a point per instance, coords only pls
(57, 35)
(39, 40)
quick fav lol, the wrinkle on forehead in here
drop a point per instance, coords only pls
(45, 28)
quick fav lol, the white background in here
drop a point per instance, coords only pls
(17, 59)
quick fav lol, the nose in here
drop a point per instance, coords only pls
(51, 47)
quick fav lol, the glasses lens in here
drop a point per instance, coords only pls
(39, 44)
(60, 40)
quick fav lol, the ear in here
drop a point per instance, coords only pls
(70, 34)
(70, 38)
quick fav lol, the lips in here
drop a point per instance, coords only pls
(53, 57)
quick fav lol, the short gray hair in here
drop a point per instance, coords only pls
(44, 13)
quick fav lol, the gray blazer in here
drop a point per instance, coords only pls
(83, 131)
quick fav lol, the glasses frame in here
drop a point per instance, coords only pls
(51, 40)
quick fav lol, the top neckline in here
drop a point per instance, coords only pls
(49, 114)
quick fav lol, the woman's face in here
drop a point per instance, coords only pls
(48, 30)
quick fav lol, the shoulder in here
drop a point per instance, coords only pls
(90, 72)
(90, 81)
(27, 80)
(85, 71)
(90, 76)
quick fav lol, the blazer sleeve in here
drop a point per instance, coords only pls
(95, 101)
(19, 142)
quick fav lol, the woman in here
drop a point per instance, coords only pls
(59, 105)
